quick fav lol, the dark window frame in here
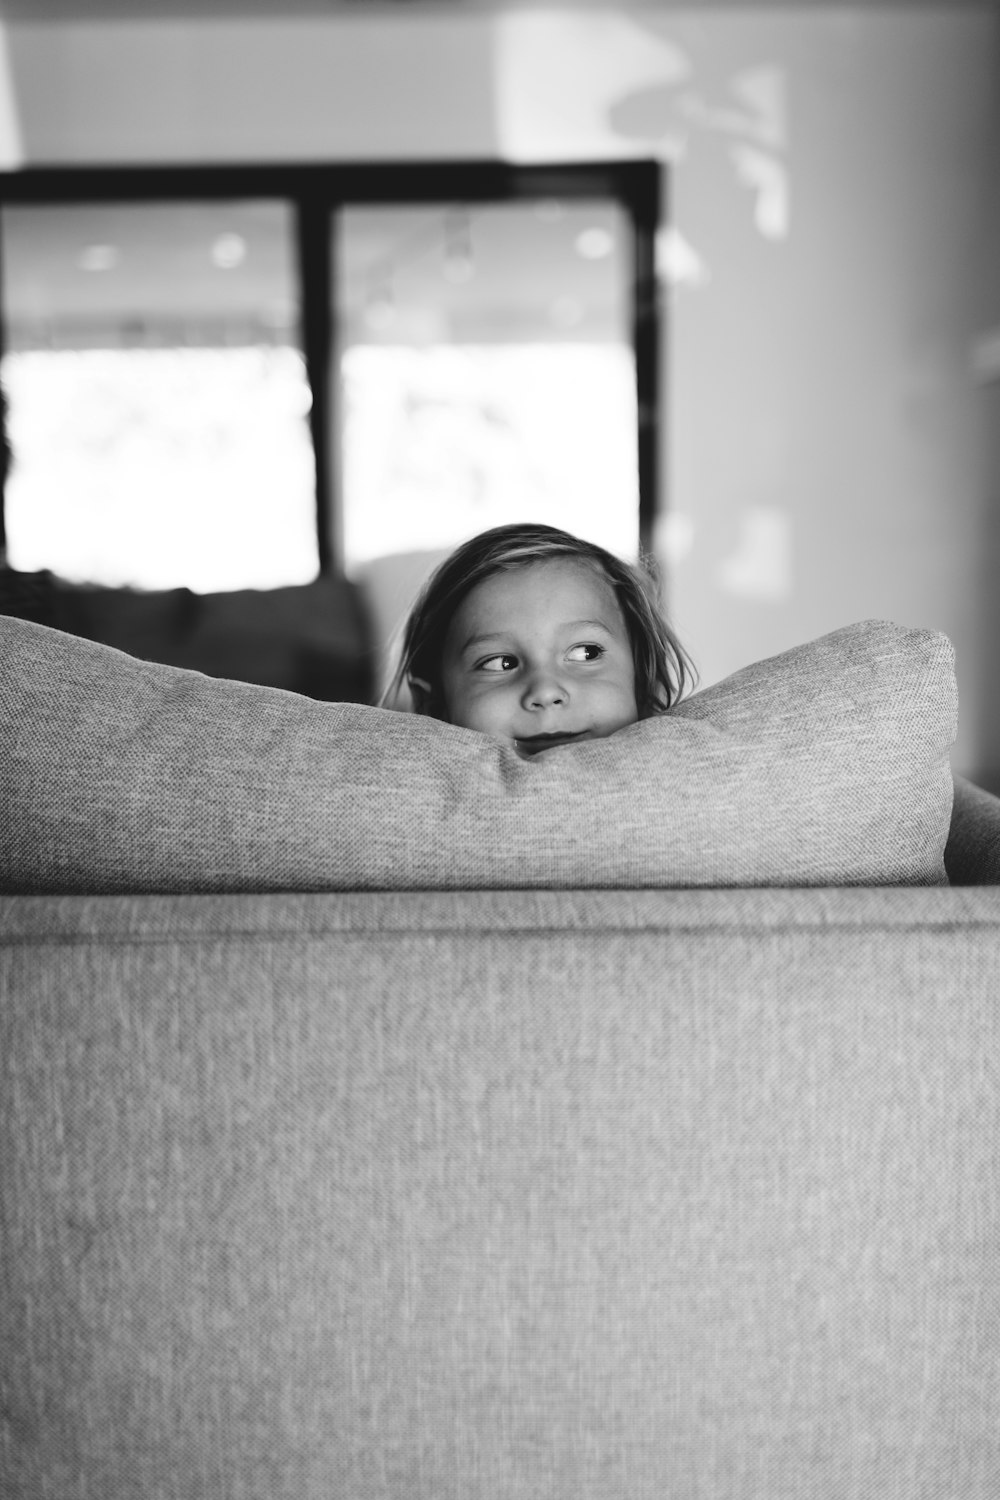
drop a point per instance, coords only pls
(317, 190)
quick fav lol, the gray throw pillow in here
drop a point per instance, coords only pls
(827, 765)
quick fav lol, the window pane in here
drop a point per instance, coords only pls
(158, 402)
(487, 374)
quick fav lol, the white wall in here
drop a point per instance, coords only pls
(11, 148)
(230, 90)
(828, 454)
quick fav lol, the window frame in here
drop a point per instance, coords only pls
(316, 191)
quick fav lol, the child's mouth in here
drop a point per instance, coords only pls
(539, 742)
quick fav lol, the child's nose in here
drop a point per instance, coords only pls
(544, 691)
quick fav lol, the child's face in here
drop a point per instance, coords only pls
(539, 656)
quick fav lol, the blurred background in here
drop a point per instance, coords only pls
(244, 424)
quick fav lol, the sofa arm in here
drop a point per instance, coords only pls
(972, 854)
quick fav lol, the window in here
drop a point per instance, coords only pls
(238, 377)
(472, 396)
(158, 400)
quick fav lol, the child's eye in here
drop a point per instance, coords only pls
(585, 651)
(503, 663)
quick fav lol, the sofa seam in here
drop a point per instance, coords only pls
(755, 930)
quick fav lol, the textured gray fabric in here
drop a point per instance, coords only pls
(568, 1195)
(38, 921)
(972, 853)
(827, 765)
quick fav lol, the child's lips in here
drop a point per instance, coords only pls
(534, 744)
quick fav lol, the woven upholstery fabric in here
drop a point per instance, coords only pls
(569, 1196)
(972, 853)
(827, 765)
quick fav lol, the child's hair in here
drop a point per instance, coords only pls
(663, 669)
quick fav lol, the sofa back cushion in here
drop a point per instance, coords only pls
(826, 765)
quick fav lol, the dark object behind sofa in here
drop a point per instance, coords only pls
(310, 638)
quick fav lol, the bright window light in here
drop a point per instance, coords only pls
(157, 468)
(446, 441)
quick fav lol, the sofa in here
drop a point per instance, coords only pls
(526, 1137)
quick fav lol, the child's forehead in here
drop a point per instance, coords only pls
(548, 585)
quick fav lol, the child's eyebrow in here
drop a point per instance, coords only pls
(482, 640)
(578, 624)
(509, 632)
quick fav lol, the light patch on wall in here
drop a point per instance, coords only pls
(761, 567)
(674, 537)
(11, 144)
(766, 93)
(584, 86)
(762, 113)
(560, 77)
(678, 263)
(768, 179)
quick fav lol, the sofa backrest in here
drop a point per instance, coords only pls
(972, 853)
(579, 1194)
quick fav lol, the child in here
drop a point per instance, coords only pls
(539, 639)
